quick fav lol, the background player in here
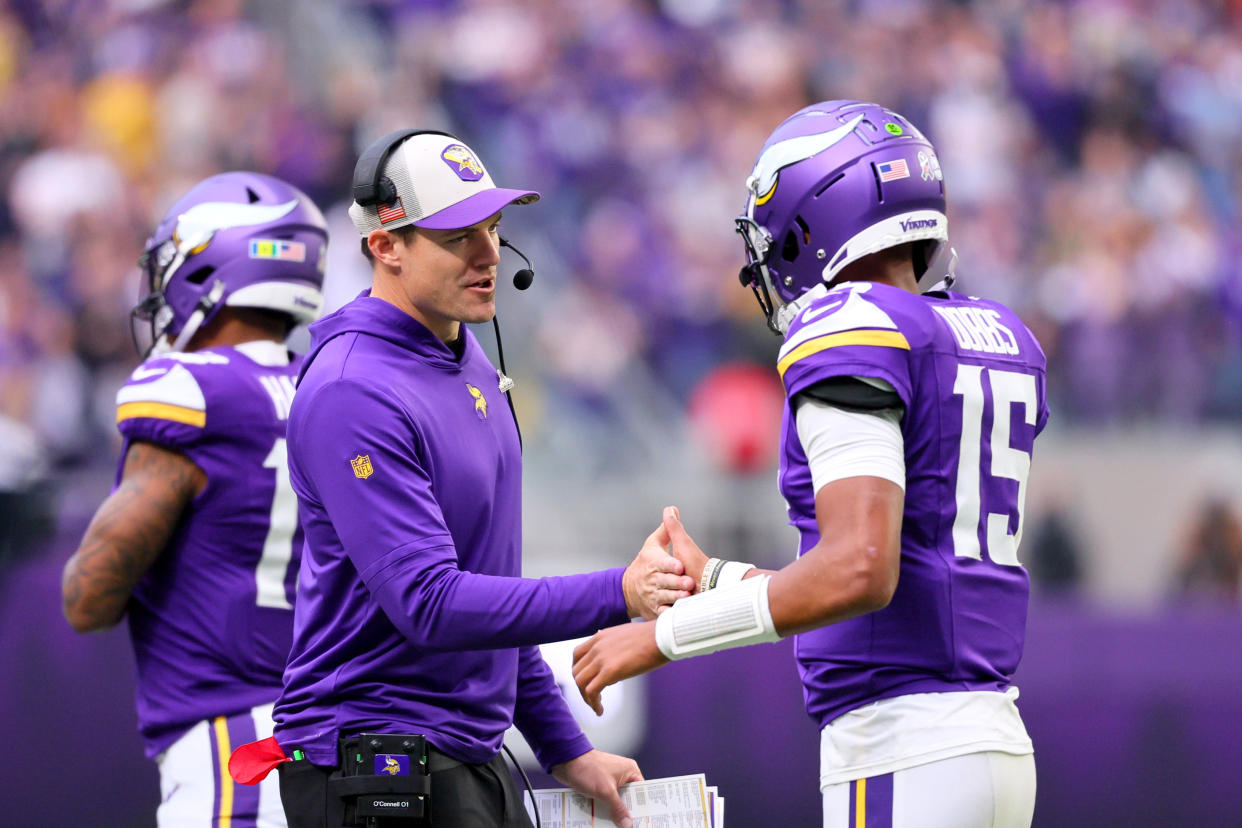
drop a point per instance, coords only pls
(907, 440)
(199, 541)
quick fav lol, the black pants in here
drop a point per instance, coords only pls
(463, 796)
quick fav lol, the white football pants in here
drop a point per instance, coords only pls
(977, 790)
(195, 787)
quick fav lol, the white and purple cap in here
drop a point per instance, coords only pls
(439, 184)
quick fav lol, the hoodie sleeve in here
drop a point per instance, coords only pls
(356, 453)
(542, 714)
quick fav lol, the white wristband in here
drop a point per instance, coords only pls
(731, 572)
(721, 619)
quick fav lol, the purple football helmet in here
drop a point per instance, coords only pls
(837, 181)
(237, 239)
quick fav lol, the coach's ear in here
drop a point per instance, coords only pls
(383, 247)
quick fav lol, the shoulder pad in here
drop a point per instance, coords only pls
(162, 391)
(844, 316)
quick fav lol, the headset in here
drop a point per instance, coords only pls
(371, 186)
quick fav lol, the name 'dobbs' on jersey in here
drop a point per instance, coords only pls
(979, 329)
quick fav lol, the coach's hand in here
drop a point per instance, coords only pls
(614, 654)
(599, 774)
(654, 579)
(683, 546)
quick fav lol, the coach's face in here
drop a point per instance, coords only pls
(445, 277)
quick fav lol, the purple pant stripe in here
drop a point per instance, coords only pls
(853, 803)
(245, 797)
(880, 801)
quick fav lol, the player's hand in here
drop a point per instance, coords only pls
(599, 774)
(614, 654)
(684, 547)
(654, 579)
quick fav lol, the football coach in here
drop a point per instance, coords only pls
(412, 616)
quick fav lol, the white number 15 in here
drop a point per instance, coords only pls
(1008, 387)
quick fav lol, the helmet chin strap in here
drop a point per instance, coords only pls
(205, 305)
(940, 268)
(787, 314)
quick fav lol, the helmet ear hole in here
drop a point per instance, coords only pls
(199, 276)
(789, 249)
(252, 195)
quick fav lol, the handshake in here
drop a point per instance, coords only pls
(652, 582)
(655, 579)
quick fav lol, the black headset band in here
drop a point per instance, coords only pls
(368, 171)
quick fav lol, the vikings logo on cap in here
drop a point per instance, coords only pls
(462, 161)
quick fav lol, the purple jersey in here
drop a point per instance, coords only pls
(971, 378)
(212, 619)
(411, 616)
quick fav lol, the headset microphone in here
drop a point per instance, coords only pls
(524, 277)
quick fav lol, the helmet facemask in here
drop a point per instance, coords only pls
(755, 274)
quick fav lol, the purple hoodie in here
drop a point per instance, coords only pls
(412, 615)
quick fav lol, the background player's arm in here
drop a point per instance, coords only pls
(127, 534)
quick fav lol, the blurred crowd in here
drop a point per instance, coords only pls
(1092, 152)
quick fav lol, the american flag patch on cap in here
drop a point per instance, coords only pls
(391, 211)
(893, 170)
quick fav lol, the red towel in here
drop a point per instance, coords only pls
(251, 763)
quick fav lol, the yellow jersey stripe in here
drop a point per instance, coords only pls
(221, 727)
(860, 804)
(887, 339)
(162, 411)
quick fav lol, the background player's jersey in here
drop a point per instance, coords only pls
(211, 621)
(971, 378)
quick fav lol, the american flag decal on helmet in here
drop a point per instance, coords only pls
(893, 170)
(392, 211)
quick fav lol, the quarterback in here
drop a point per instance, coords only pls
(908, 429)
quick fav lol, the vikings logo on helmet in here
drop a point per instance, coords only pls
(827, 189)
(480, 402)
(236, 239)
(462, 161)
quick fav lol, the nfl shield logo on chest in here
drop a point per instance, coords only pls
(362, 466)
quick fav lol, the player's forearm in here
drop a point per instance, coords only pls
(444, 608)
(833, 586)
(127, 534)
(100, 577)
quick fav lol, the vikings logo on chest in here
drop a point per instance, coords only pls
(480, 402)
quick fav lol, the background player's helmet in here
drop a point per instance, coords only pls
(837, 181)
(237, 239)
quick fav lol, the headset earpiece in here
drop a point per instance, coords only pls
(371, 186)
